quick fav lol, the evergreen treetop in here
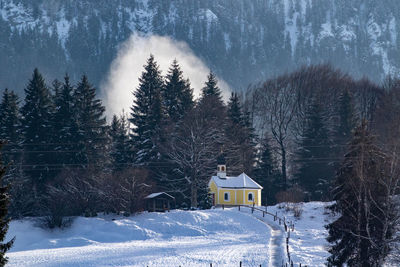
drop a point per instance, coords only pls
(91, 123)
(119, 150)
(147, 114)
(234, 109)
(177, 94)
(266, 172)
(315, 172)
(65, 127)
(10, 128)
(211, 88)
(347, 120)
(37, 113)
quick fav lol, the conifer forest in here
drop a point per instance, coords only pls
(312, 121)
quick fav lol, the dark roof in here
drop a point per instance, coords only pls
(159, 194)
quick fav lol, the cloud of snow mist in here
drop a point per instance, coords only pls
(127, 67)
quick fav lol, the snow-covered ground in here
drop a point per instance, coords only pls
(178, 238)
(308, 244)
(185, 238)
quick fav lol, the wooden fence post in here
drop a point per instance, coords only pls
(239, 207)
(263, 214)
(223, 207)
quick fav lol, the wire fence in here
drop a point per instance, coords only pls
(288, 227)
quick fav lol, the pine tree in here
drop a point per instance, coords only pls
(10, 130)
(91, 122)
(36, 120)
(358, 235)
(119, 143)
(212, 106)
(211, 88)
(65, 128)
(177, 101)
(347, 122)
(315, 172)
(4, 220)
(240, 147)
(267, 173)
(146, 115)
(176, 94)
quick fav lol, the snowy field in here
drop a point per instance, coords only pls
(186, 238)
(178, 238)
(308, 244)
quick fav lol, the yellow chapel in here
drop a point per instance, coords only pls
(233, 190)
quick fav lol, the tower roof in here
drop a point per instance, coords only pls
(221, 159)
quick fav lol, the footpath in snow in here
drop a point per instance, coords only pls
(178, 238)
(308, 244)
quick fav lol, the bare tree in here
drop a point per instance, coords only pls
(125, 190)
(193, 150)
(276, 108)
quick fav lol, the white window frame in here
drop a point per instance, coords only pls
(252, 197)
(229, 196)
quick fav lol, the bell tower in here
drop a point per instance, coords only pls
(221, 167)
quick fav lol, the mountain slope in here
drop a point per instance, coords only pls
(243, 41)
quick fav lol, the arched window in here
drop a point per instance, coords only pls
(223, 168)
(250, 197)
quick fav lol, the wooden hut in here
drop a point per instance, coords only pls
(160, 201)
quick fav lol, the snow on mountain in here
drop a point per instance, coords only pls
(242, 41)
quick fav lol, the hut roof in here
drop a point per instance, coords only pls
(155, 195)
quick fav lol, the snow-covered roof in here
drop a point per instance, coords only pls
(153, 195)
(241, 181)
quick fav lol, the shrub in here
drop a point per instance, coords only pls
(292, 195)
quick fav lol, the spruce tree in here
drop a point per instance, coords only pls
(314, 169)
(119, 143)
(65, 128)
(358, 235)
(266, 173)
(10, 128)
(346, 122)
(147, 115)
(176, 94)
(212, 106)
(240, 147)
(211, 87)
(211, 111)
(4, 219)
(178, 103)
(36, 121)
(91, 124)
